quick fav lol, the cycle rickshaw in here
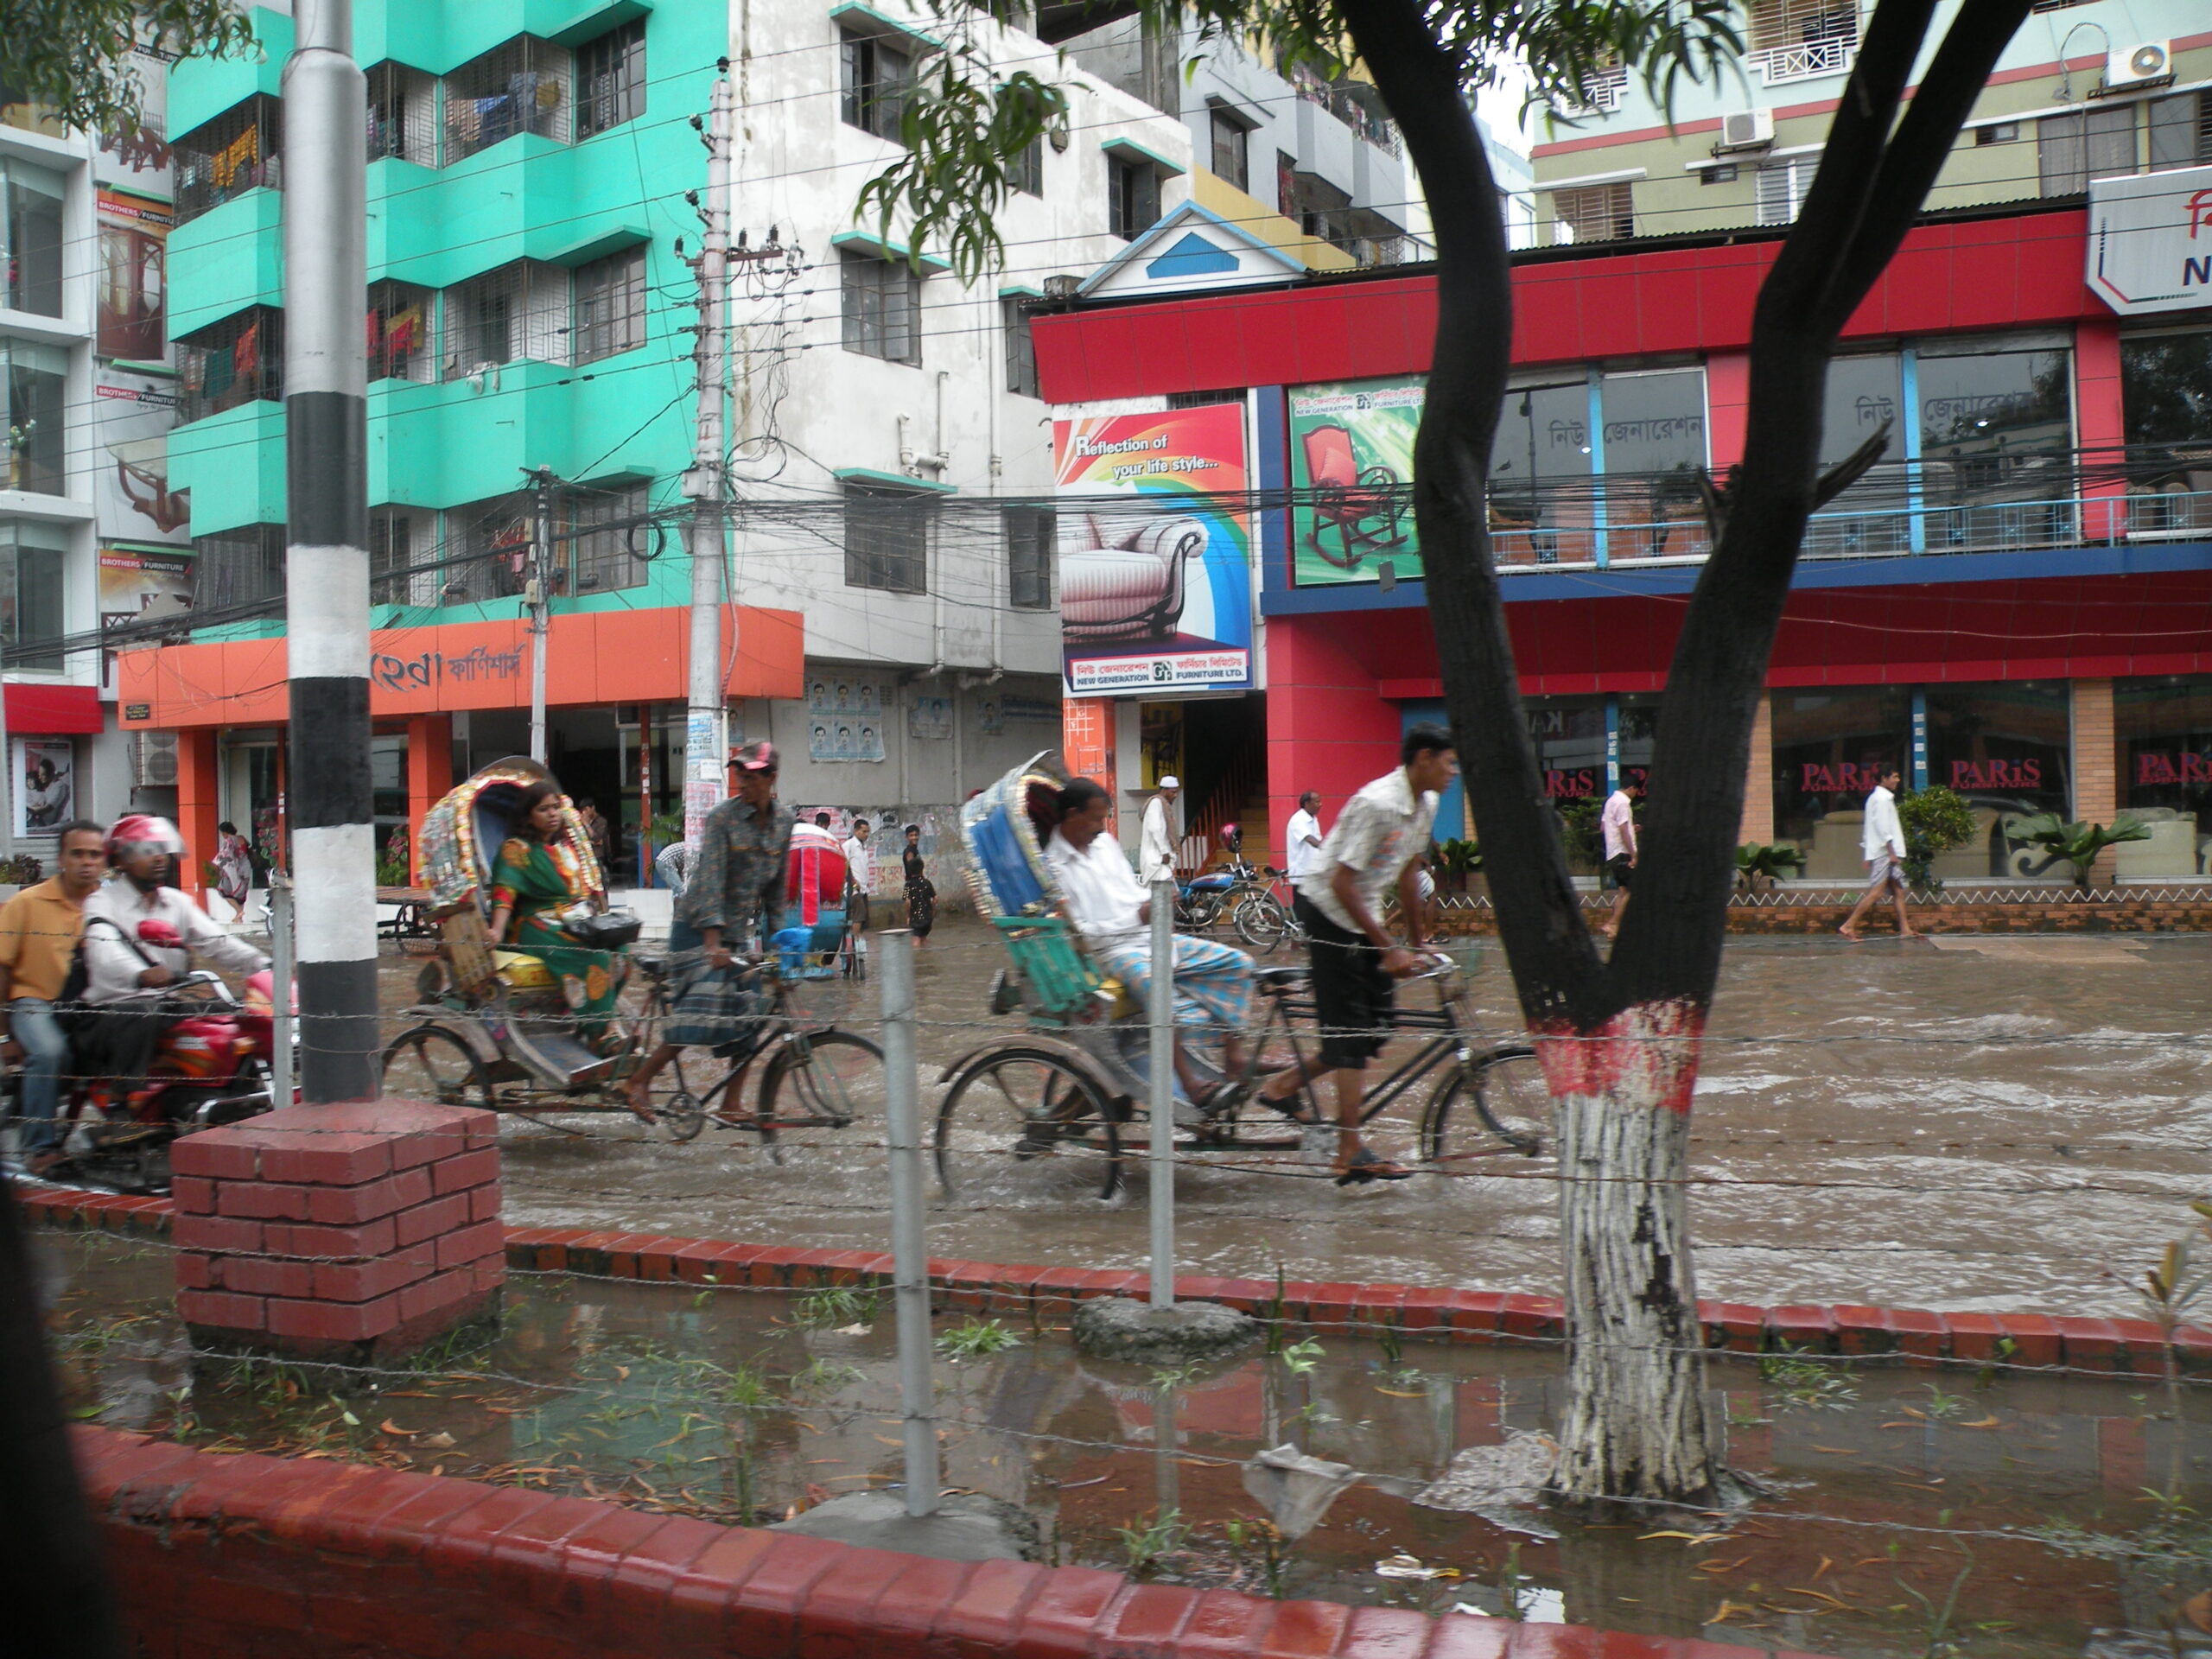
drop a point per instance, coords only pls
(494, 1030)
(1059, 1109)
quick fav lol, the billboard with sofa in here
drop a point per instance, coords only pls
(1351, 469)
(1155, 552)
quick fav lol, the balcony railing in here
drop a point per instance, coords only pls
(1600, 95)
(1807, 60)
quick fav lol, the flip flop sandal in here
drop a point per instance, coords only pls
(1366, 1166)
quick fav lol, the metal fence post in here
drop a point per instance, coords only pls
(909, 1250)
(280, 972)
(1163, 1093)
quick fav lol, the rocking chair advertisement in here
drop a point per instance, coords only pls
(1351, 467)
(1155, 552)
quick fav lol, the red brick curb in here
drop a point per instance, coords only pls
(250, 1554)
(1915, 1336)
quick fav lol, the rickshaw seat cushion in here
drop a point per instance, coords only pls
(522, 971)
(1062, 981)
(1123, 1001)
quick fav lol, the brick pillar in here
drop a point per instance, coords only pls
(1758, 778)
(199, 809)
(429, 775)
(353, 1233)
(2096, 769)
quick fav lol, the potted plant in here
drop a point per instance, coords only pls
(1759, 866)
(1452, 863)
(1935, 819)
(2078, 844)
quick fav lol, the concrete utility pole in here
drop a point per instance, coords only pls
(708, 484)
(537, 595)
(327, 560)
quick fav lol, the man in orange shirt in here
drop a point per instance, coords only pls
(39, 930)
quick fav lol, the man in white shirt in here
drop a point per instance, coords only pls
(1881, 843)
(1156, 858)
(1378, 843)
(141, 848)
(1114, 915)
(860, 866)
(1618, 822)
(1305, 835)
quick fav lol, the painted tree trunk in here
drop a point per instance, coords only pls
(1636, 1425)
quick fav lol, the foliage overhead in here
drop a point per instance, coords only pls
(965, 122)
(83, 58)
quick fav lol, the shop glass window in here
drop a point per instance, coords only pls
(403, 114)
(2071, 150)
(1654, 426)
(399, 329)
(611, 79)
(1996, 444)
(30, 216)
(522, 86)
(1829, 750)
(610, 305)
(887, 539)
(1864, 393)
(1569, 735)
(1031, 534)
(242, 567)
(1638, 723)
(221, 159)
(388, 786)
(238, 360)
(2166, 394)
(2006, 745)
(874, 77)
(882, 305)
(613, 542)
(1539, 497)
(36, 386)
(2181, 132)
(2163, 728)
(520, 310)
(33, 558)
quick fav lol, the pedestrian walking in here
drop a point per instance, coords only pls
(1619, 823)
(1156, 858)
(860, 868)
(1882, 844)
(921, 892)
(1305, 833)
(597, 831)
(233, 863)
(672, 866)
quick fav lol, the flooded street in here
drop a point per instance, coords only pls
(1974, 1123)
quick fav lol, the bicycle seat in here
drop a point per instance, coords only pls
(1281, 979)
(650, 967)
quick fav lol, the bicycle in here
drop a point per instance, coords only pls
(1266, 916)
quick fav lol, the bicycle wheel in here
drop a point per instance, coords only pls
(1026, 1127)
(430, 1063)
(817, 1089)
(1496, 1103)
(1259, 922)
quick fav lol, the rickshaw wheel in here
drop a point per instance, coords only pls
(814, 1086)
(1025, 1126)
(681, 1116)
(430, 1063)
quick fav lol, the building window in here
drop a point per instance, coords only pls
(1541, 500)
(2165, 393)
(520, 310)
(1653, 428)
(1020, 345)
(874, 77)
(611, 539)
(1797, 39)
(2164, 731)
(1232, 147)
(1865, 392)
(1829, 751)
(1723, 172)
(403, 557)
(32, 560)
(400, 346)
(239, 567)
(2071, 150)
(2003, 745)
(1031, 533)
(887, 538)
(1029, 169)
(224, 158)
(882, 308)
(522, 86)
(1782, 187)
(1133, 197)
(1596, 213)
(403, 114)
(610, 308)
(1203, 396)
(611, 79)
(1997, 133)
(237, 360)
(2181, 132)
(1996, 433)
(488, 547)
(30, 218)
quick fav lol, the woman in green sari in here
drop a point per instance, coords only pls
(538, 874)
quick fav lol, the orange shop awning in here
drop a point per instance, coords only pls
(594, 659)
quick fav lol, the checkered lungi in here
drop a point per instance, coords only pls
(709, 1007)
(1213, 981)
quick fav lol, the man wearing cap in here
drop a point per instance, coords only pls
(1156, 862)
(736, 880)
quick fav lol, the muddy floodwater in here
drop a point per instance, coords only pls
(1908, 1512)
(1973, 1122)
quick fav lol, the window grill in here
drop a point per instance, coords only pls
(1029, 169)
(1781, 188)
(1133, 197)
(611, 79)
(222, 159)
(492, 560)
(874, 78)
(1030, 533)
(604, 525)
(520, 310)
(1596, 212)
(887, 539)
(2181, 132)
(237, 360)
(239, 567)
(2071, 150)
(882, 308)
(1021, 346)
(610, 306)
(402, 330)
(521, 86)
(403, 114)
(400, 538)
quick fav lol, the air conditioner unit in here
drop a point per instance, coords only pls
(2151, 64)
(153, 759)
(1747, 129)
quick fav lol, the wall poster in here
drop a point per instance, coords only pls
(1351, 472)
(46, 784)
(844, 719)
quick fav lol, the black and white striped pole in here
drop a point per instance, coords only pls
(327, 560)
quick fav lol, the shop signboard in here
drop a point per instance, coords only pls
(1352, 470)
(131, 497)
(1155, 552)
(2151, 241)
